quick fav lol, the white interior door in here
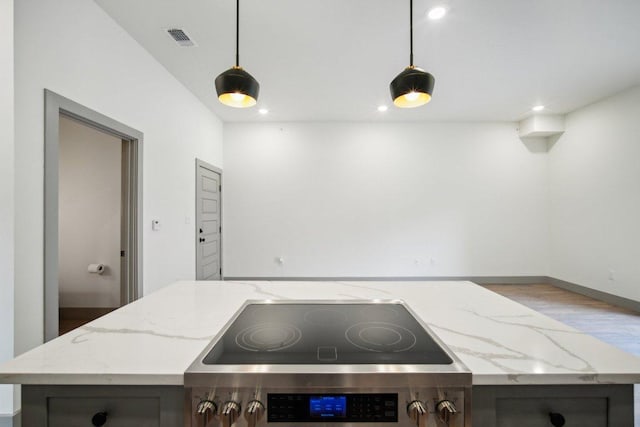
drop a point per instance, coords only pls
(208, 225)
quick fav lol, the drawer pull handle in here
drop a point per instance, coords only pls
(557, 420)
(99, 419)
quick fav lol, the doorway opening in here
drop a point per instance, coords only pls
(92, 210)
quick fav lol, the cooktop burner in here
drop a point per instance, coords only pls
(326, 333)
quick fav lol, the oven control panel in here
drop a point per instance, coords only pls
(311, 407)
(428, 407)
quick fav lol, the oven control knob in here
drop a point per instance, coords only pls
(446, 410)
(206, 411)
(229, 413)
(418, 413)
(254, 412)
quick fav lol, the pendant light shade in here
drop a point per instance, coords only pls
(413, 87)
(235, 87)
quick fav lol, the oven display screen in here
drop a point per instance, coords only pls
(333, 406)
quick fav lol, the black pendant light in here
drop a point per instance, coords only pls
(413, 87)
(235, 87)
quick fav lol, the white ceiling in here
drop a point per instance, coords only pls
(333, 59)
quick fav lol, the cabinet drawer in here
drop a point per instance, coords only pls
(125, 405)
(531, 412)
(592, 405)
(121, 412)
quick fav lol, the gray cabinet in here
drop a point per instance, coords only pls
(530, 406)
(125, 406)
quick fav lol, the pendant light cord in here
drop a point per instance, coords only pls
(238, 33)
(411, 32)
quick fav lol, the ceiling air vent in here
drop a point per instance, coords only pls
(180, 37)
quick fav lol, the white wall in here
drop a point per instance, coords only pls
(74, 49)
(6, 195)
(398, 199)
(595, 197)
(90, 206)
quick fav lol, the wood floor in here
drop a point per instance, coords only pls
(614, 325)
(70, 318)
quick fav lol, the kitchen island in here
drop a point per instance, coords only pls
(522, 362)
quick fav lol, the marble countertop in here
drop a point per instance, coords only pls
(154, 340)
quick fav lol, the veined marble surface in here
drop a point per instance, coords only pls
(155, 339)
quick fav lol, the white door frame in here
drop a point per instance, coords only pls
(56, 105)
(203, 164)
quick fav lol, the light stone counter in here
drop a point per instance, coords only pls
(155, 339)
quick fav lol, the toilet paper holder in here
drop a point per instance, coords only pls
(96, 268)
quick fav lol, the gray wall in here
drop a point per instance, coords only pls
(107, 71)
(383, 199)
(6, 196)
(595, 197)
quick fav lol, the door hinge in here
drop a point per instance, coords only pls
(220, 229)
(121, 253)
(220, 188)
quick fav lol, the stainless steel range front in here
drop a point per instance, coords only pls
(330, 364)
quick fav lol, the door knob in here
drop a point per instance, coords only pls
(202, 239)
(556, 419)
(99, 419)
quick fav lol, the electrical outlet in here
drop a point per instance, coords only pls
(612, 275)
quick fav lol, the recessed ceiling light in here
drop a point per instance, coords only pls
(437, 13)
(263, 111)
(538, 108)
(383, 108)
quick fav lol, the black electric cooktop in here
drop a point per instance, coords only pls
(325, 333)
